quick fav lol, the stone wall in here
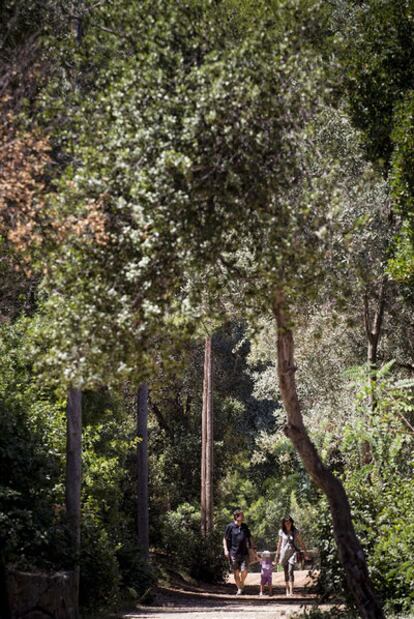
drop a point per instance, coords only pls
(42, 595)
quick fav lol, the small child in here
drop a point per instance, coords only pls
(266, 571)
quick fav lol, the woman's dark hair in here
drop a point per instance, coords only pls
(237, 513)
(283, 526)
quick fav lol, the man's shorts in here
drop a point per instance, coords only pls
(239, 563)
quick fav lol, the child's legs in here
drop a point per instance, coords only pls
(265, 580)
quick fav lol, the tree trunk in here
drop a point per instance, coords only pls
(4, 593)
(142, 470)
(207, 444)
(373, 326)
(349, 549)
(74, 475)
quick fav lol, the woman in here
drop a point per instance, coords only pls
(287, 547)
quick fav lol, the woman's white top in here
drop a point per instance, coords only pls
(288, 546)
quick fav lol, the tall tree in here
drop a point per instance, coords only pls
(142, 469)
(207, 442)
(211, 166)
(74, 476)
(349, 548)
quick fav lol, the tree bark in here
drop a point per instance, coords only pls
(349, 549)
(207, 444)
(74, 475)
(162, 422)
(142, 470)
(4, 593)
(373, 326)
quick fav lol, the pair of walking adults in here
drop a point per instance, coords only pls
(238, 543)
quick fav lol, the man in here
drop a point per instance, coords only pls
(236, 543)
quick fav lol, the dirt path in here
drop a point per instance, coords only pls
(220, 601)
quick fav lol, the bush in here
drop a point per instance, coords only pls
(331, 583)
(100, 575)
(209, 564)
(391, 561)
(135, 572)
(202, 558)
(381, 496)
(332, 613)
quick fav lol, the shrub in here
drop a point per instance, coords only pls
(135, 572)
(99, 568)
(391, 561)
(202, 558)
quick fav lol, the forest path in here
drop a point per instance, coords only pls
(220, 601)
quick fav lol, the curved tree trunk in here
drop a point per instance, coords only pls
(142, 470)
(74, 475)
(349, 549)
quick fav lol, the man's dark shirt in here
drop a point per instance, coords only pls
(237, 539)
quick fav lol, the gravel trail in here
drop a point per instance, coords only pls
(220, 602)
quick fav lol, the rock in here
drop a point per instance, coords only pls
(41, 595)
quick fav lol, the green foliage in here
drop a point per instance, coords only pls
(181, 538)
(135, 572)
(100, 574)
(377, 56)
(332, 613)
(32, 452)
(381, 497)
(391, 562)
(401, 266)
(176, 220)
(197, 165)
(31, 447)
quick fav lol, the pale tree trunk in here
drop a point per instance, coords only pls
(207, 444)
(349, 549)
(142, 470)
(74, 475)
